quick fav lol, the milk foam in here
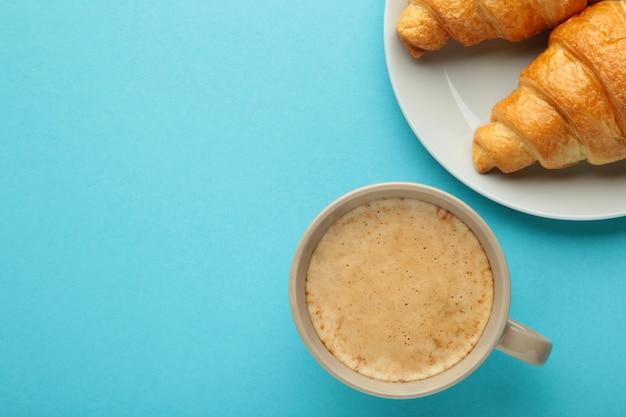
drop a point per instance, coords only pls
(399, 289)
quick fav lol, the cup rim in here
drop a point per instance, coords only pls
(400, 390)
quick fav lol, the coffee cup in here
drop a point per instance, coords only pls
(421, 314)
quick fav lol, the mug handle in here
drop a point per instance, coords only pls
(524, 343)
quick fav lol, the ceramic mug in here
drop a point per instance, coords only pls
(501, 332)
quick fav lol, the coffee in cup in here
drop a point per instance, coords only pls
(401, 290)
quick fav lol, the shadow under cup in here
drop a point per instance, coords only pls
(491, 337)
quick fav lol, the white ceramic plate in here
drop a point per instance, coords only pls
(446, 94)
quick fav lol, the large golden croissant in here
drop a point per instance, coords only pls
(427, 25)
(570, 104)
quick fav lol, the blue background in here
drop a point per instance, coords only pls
(159, 162)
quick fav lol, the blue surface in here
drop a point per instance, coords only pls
(159, 162)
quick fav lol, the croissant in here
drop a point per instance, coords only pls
(427, 25)
(570, 103)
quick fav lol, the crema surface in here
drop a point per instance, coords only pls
(399, 289)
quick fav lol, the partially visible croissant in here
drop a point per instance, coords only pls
(427, 25)
(570, 104)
